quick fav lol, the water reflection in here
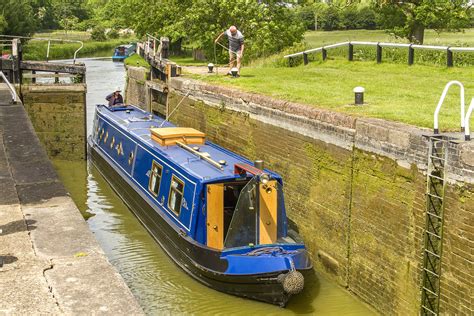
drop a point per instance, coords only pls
(160, 286)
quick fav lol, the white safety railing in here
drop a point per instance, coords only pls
(467, 131)
(441, 101)
(49, 40)
(380, 45)
(10, 87)
(383, 44)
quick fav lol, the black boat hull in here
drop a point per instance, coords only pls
(201, 263)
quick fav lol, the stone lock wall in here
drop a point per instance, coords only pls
(58, 115)
(353, 187)
(136, 92)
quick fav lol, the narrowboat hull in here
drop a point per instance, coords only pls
(202, 263)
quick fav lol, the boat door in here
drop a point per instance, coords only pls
(215, 216)
(268, 205)
(244, 213)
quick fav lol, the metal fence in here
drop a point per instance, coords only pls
(6, 40)
(379, 50)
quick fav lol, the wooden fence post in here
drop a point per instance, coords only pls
(411, 55)
(305, 58)
(350, 53)
(379, 53)
(449, 58)
(325, 54)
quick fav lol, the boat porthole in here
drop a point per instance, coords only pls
(112, 142)
(130, 158)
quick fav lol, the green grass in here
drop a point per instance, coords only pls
(187, 61)
(36, 49)
(70, 35)
(136, 61)
(394, 92)
(317, 39)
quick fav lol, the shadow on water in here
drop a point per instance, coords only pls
(159, 285)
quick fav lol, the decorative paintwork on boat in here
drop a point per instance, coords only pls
(216, 215)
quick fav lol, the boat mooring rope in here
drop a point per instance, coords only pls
(223, 65)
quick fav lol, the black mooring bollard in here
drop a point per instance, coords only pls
(210, 66)
(359, 95)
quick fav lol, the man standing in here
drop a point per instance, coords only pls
(236, 47)
(115, 97)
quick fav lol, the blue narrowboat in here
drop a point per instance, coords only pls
(219, 216)
(123, 51)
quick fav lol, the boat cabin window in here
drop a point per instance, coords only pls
(155, 178)
(175, 198)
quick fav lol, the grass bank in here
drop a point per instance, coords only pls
(36, 49)
(320, 38)
(136, 61)
(393, 92)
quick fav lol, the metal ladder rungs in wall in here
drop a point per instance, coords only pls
(433, 233)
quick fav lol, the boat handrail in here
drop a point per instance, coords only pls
(201, 155)
(441, 101)
(10, 87)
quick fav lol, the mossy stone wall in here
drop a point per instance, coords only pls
(58, 115)
(361, 214)
(355, 189)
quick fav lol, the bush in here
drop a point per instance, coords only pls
(113, 33)
(332, 19)
(98, 34)
(366, 19)
(306, 15)
(350, 18)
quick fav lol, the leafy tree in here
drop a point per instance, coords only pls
(350, 18)
(98, 34)
(415, 16)
(3, 24)
(332, 19)
(268, 26)
(366, 18)
(68, 23)
(18, 16)
(113, 33)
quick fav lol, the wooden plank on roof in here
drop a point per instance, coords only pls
(168, 136)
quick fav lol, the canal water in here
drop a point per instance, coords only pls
(158, 284)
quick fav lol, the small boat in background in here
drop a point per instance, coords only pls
(123, 51)
(219, 216)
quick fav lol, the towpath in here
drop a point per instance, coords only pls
(52, 263)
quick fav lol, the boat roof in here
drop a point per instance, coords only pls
(126, 45)
(138, 123)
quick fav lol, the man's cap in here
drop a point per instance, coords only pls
(118, 89)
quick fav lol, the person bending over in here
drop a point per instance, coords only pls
(236, 47)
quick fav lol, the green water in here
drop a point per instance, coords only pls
(159, 285)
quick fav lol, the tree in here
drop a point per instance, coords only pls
(417, 15)
(18, 16)
(67, 23)
(3, 24)
(268, 26)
